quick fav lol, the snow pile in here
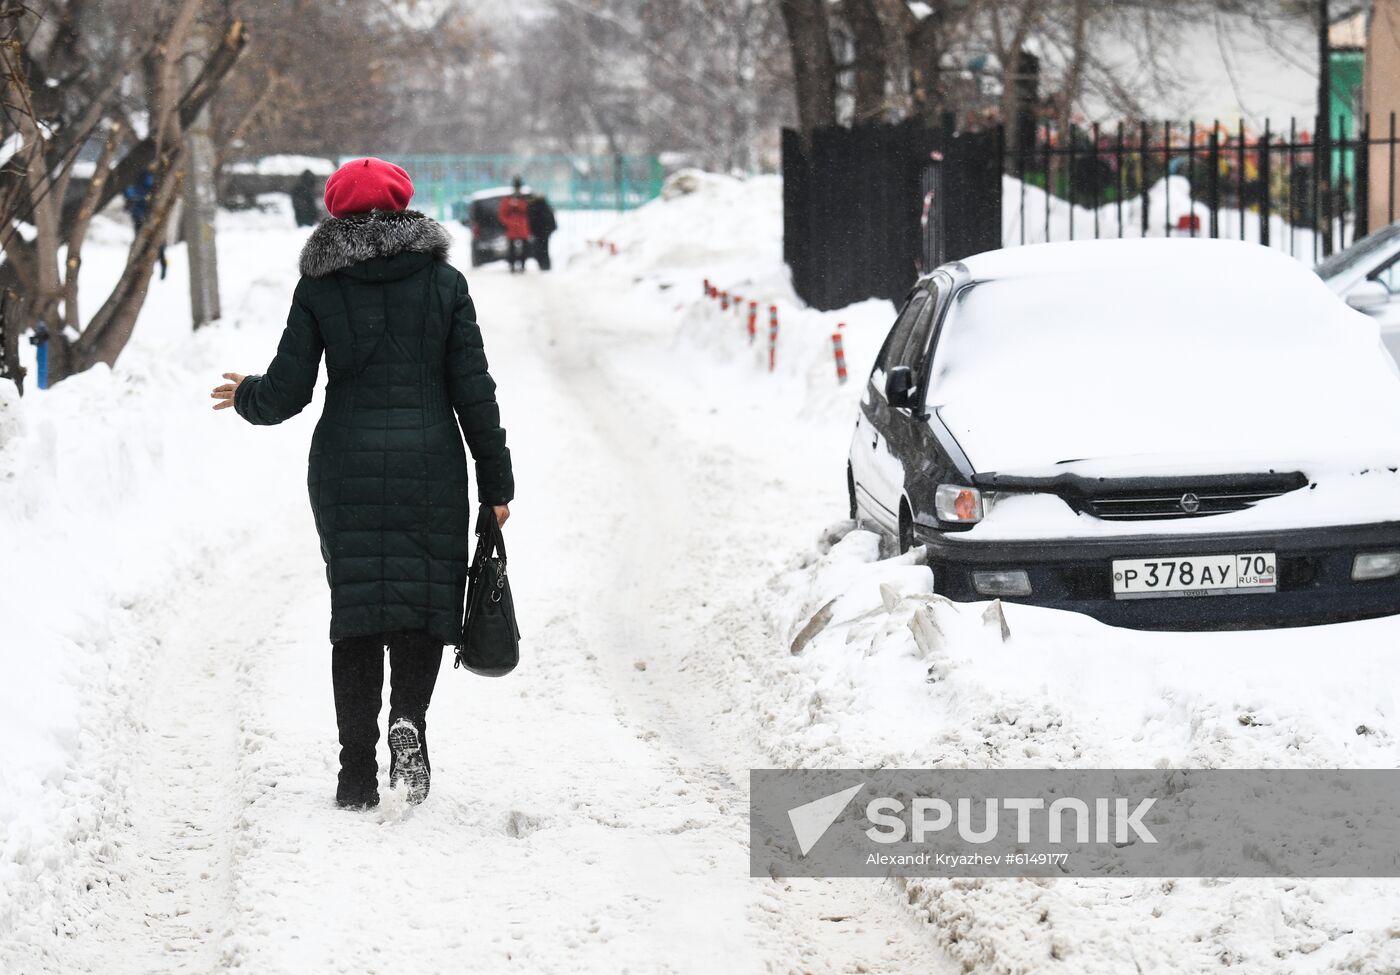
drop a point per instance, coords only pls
(114, 497)
(876, 670)
(703, 221)
(1028, 212)
(707, 227)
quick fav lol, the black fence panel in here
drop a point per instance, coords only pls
(972, 200)
(857, 209)
(1277, 187)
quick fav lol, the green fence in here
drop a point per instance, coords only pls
(444, 183)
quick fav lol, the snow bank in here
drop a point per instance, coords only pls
(729, 231)
(890, 674)
(1029, 215)
(113, 495)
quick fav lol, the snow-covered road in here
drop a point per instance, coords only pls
(589, 813)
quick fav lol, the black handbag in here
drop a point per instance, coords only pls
(490, 643)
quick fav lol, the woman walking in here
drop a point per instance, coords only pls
(388, 476)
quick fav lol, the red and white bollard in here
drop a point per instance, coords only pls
(753, 320)
(724, 301)
(838, 348)
(772, 337)
(707, 287)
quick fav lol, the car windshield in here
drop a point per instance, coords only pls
(1359, 252)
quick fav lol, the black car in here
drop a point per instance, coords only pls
(488, 234)
(1159, 433)
(482, 215)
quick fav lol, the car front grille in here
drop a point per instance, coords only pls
(1185, 500)
(1189, 504)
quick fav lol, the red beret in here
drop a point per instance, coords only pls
(362, 185)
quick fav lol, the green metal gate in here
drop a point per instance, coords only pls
(443, 184)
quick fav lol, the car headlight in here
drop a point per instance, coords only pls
(957, 504)
(1375, 565)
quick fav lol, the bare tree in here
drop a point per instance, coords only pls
(290, 93)
(813, 65)
(84, 66)
(870, 55)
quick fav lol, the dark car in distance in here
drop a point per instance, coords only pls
(482, 214)
(1162, 434)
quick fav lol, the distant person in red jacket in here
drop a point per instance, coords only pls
(515, 217)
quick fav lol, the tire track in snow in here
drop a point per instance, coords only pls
(168, 737)
(693, 522)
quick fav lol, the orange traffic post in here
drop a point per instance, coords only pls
(772, 337)
(838, 348)
(753, 320)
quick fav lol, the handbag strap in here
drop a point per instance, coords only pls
(488, 529)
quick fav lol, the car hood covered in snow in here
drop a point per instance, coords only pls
(1123, 358)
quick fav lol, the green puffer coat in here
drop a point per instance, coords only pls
(405, 366)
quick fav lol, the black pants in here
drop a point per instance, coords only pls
(515, 252)
(357, 675)
(542, 251)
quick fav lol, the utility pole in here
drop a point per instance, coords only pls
(201, 199)
(1323, 162)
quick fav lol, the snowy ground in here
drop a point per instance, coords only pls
(162, 643)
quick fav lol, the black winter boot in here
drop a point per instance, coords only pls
(414, 661)
(408, 760)
(357, 675)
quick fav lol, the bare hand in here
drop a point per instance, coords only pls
(224, 393)
(502, 513)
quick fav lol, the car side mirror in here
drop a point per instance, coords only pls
(899, 387)
(1368, 296)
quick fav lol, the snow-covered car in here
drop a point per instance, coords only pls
(1130, 428)
(1367, 276)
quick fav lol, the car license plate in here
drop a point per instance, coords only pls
(1195, 575)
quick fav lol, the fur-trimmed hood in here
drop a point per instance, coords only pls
(339, 242)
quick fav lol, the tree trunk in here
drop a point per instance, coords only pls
(201, 203)
(871, 59)
(813, 66)
(10, 327)
(1074, 74)
(925, 83)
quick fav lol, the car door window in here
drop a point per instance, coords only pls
(893, 352)
(1389, 276)
(915, 354)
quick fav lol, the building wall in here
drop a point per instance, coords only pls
(1383, 100)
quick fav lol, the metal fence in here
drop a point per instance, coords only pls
(444, 183)
(1282, 189)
